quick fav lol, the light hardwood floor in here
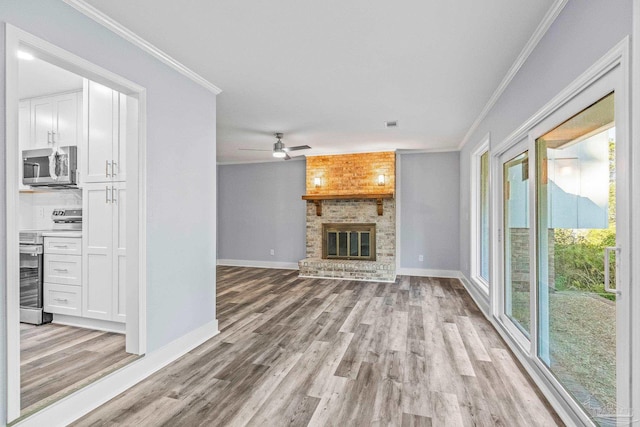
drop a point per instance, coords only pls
(325, 352)
(56, 360)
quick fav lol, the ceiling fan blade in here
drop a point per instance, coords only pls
(287, 157)
(298, 147)
(252, 149)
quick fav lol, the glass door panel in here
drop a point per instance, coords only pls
(517, 298)
(576, 211)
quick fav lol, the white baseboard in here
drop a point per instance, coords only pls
(96, 324)
(259, 264)
(481, 299)
(95, 394)
(425, 272)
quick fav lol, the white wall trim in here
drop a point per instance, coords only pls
(90, 397)
(398, 151)
(429, 272)
(635, 204)
(478, 296)
(428, 150)
(269, 160)
(398, 191)
(258, 264)
(538, 34)
(94, 324)
(138, 41)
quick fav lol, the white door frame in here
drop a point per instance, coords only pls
(596, 91)
(136, 333)
(499, 253)
(617, 57)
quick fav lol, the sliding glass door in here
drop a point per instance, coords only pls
(516, 236)
(578, 259)
(564, 239)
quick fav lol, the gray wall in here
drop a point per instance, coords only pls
(260, 208)
(429, 210)
(584, 32)
(181, 152)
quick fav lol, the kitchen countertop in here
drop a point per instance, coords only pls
(62, 233)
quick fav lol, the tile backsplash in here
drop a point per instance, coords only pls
(36, 207)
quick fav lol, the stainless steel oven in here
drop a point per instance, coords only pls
(31, 270)
(32, 264)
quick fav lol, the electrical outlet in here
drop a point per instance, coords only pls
(420, 258)
(272, 252)
(41, 212)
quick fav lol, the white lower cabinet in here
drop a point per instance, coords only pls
(103, 251)
(62, 299)
(62, 275)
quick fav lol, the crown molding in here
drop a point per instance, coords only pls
(107, 22)
(402, 151)
(538, 34)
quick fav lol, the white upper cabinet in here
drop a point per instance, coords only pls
(103, 154)
(67, 123)
(55, 120)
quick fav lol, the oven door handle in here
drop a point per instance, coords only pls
(31, 249)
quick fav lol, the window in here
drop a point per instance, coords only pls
(480, 256)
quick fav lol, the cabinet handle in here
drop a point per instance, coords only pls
(53, 136)
(48, 137)
(106, 168)
(114, 168)
(60, 246)
(61, 299)
(113, 195)
(62, 270)
(106, 194)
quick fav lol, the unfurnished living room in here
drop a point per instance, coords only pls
(413, 213)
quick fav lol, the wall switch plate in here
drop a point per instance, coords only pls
(272, 252)
(420, 258)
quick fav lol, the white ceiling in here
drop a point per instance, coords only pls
(329, 73)
(38, 77)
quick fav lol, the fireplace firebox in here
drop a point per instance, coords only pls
(349, 241)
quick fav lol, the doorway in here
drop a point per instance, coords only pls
(132, 298)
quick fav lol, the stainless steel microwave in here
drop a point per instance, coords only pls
(50, 166)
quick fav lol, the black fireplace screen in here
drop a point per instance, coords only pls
(349, 241)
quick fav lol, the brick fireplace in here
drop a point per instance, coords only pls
(347, 191)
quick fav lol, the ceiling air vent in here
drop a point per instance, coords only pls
(391, 124)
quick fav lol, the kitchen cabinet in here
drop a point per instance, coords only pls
(103, 156)
(55, 120)
(62, 279)
(104, 251)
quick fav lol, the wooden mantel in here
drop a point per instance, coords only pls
(318, 198)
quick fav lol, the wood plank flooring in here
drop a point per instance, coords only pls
(297, 352)
(56, 360)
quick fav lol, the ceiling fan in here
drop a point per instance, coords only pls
(279, 150)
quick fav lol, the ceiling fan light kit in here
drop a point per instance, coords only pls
(279, 150)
